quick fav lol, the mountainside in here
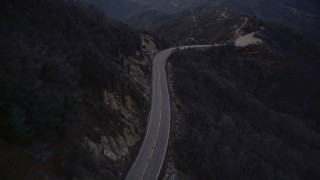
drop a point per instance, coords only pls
(308, 6)
(118, 8)
(202, 28)
(247, 112)
(303, 16)
(75, 91)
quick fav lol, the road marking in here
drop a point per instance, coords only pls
(158, 63)
(157, 135)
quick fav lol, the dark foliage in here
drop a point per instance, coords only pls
(303, 16)
(246, 113)
(118, 8)
(57, 58)
(197, 28)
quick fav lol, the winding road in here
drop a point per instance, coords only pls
(152, 153)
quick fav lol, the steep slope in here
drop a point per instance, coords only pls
(118, 8)
(74, 92)
(198, 28)
(204, 27)
(303, 16)
(308, 6)
(247, 112)
(146, 19)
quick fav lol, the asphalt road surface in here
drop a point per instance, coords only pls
(152, 153)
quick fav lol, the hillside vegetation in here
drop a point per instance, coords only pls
(302, 16)
(248, 113)
(116, 9)
(198, 28)
(74, 93)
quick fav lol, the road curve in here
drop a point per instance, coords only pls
(152, 153)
